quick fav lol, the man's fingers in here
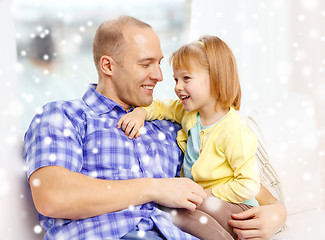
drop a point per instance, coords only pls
(190, 206)
(242, 224)
(250, 213)
(196, 199)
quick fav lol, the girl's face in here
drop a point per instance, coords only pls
(193, 89)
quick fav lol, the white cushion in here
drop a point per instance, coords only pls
(268, 176)
(291, 135)
(18, 217)
(307, 225)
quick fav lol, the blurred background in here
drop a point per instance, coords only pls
(279, 46)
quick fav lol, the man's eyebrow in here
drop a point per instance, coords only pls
(151, 59)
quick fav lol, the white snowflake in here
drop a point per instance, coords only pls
(310, 4)
(95, 150)
(93, 174)
(141, 234)
(135, 168)
(203, 219)
(36, 182)
(307, 176)
(66, 132)
(213, 204)
(47, 140)
(173, 213)
(161, 136)
(142, 130)
(52, 157)
(37, 229)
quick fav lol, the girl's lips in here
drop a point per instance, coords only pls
(184, 99)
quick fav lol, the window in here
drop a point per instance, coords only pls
(54, 44)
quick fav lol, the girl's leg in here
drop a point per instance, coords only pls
(198, 224)
(221, 211)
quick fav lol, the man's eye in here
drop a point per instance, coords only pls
(146, 65)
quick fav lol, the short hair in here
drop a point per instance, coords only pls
(109, 37)
(212, 54)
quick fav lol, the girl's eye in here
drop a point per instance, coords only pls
(187, 77)
(176, 80)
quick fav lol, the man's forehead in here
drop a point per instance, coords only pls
(145, 42)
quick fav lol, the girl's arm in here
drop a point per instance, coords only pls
(172, 110)
(132, 122)
(240, 153)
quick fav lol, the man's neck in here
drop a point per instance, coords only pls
(105, 91)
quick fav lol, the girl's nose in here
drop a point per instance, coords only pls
(178, 87)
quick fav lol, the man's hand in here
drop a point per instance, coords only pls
(259, 222)
(131, 122)
(179, 193)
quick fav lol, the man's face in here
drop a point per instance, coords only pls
(139, 71)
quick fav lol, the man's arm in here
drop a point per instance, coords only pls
(260, 222)
(60, 193)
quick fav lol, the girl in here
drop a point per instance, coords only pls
(219, 149)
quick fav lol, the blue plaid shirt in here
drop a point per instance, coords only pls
(81, 135)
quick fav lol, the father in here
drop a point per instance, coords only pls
(89, 181)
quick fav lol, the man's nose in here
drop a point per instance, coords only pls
(156, 73)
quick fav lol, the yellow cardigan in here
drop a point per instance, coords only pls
(226, 161)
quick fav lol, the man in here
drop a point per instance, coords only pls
(88, 181)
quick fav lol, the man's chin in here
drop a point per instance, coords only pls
(146, 103)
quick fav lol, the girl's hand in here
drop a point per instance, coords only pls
(131, 122)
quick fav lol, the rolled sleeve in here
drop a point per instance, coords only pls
(52, 140)
(245, 184)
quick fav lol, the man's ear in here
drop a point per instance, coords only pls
(106, 64)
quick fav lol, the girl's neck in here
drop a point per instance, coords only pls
(210, 117)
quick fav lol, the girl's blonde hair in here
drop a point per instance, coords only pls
(213, 55)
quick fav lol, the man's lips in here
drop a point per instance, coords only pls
(148, 87)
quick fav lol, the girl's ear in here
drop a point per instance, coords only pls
(106, 65)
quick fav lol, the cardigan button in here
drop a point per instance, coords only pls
(200, 150)
(201, 132)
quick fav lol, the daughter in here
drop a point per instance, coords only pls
(219, 149)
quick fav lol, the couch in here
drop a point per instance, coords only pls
(296, 182)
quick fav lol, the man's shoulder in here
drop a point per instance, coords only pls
(58, 112)
(166, 127)
(70, 106)
(166, 124)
